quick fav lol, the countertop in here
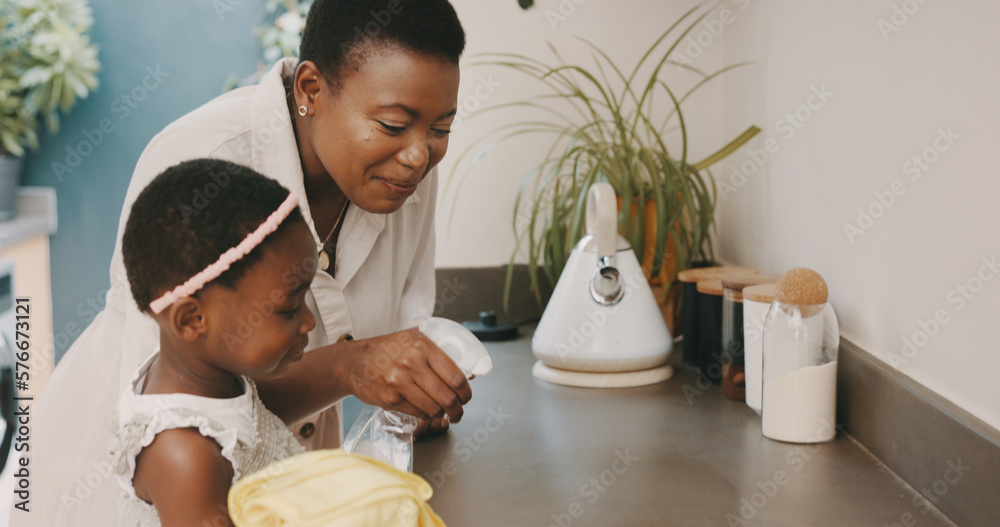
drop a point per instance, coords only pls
(529, 453)
(36, 215)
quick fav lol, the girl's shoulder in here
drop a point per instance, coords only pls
(244, 432)
(165, 438)
(180, 454)
(220, 424)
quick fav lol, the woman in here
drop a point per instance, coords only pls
(355, 127)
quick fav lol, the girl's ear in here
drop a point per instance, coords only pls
(187, 318)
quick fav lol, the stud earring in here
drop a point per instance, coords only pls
(303, 111)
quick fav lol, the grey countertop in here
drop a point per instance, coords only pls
(529, 453)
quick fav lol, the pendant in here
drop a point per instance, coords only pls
(324, 260)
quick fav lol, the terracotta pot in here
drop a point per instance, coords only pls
(667, 299)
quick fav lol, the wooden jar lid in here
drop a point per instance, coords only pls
(760, 293)
(711, 273)
(710, 287)
(740, 282)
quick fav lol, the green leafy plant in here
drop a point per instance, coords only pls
(280, 29)
(47, 63)
(615, 127)
(278, 32)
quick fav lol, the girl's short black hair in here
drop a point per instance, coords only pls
(340, 33)
(188, 216)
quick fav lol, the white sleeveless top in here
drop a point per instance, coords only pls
(250, 435)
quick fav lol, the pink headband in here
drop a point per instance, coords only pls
(227, 259)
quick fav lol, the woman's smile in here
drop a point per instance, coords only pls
(397, 188)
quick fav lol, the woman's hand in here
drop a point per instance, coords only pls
(402, 371)
(405, 371)
(430, 428)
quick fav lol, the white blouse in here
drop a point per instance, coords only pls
(251, 436)
(384, 283)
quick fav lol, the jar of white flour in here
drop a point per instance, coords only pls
(800, 343)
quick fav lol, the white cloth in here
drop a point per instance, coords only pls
(250, 435)
(385, 283)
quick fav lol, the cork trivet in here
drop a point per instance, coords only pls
(711, 273)
(710, 287)
(801, 286)
(623, 379)
(760, 293)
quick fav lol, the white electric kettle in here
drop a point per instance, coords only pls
(602, 316)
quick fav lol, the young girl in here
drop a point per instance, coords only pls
(221, 257)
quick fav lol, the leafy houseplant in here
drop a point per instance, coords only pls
(278, 32)
(46, 63)
(616, 129)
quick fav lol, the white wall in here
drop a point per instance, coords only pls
(887, 97)
(893, 92)
(480, 232)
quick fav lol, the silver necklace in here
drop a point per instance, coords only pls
(324, 258)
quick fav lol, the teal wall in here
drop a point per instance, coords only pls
(193, 50)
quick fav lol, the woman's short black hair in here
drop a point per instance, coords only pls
(340, 33)
(188, 216)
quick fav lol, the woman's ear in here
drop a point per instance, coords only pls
(307, 84)
(187, 318)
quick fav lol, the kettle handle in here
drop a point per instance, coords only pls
(602, 218)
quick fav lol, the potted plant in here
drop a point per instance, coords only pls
(616, 127)
(46, 63)
(277, 32)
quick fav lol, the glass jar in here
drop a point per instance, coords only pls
(693, 303)
(709, 305)
(734, 377)
(800, 345)
(756, 303)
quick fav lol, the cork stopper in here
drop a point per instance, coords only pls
(711, 273)
(710, 287)
(760, 293)
(801, 286)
